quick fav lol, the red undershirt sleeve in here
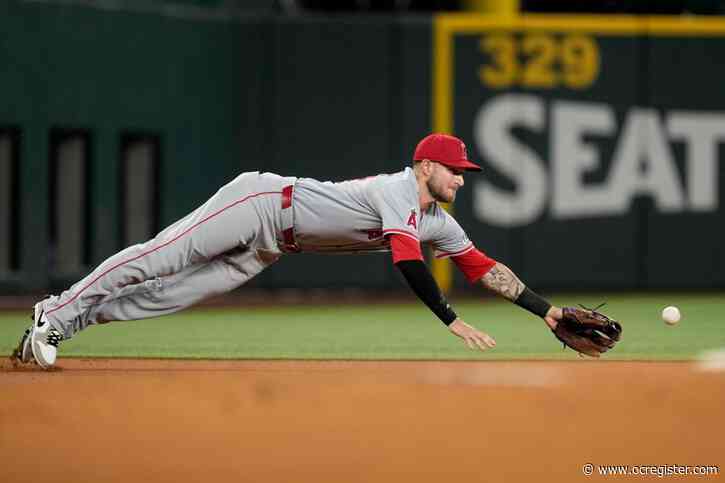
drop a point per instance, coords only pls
(405, 248)
(474, 264)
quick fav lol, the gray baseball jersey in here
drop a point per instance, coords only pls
(356, 216)
(245, 227)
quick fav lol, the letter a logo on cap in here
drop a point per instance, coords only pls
(444, 149)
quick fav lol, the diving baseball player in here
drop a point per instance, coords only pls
(256, 218)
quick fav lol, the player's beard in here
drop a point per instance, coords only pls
(438, 194)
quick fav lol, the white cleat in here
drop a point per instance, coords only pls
(44, 339)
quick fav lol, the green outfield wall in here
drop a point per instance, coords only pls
(600, 138)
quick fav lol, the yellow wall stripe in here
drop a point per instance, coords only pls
(600, 24)
(442, 122)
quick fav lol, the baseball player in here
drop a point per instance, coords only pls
(256, 218)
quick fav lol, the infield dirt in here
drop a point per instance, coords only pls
(106, 420)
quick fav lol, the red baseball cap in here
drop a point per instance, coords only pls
(445, 149)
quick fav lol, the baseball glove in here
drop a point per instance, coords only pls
(587, 331)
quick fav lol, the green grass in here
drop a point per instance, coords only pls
(391, 332)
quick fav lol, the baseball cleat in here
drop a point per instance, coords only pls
(44, 339)
(23, 353)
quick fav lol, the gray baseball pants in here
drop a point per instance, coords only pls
(216, 248)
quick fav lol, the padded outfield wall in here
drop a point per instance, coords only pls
(600, 138)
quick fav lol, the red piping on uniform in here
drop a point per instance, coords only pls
(160, 246)
(456, 254)
(401, 232)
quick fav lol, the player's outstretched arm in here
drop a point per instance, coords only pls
(425, 287)
(503, 281)
(408, 258)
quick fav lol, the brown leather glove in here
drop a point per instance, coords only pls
(587, 331)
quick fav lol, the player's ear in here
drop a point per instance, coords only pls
(424, 167)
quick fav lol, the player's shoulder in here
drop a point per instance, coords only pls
(442, 230)
(400, 185)
(438, 220)
(401, 182)
(406, 175)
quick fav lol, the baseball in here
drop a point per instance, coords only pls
(671, 315)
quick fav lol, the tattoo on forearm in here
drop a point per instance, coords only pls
(503, 281)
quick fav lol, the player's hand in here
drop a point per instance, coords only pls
(475, 339)
(553, 316)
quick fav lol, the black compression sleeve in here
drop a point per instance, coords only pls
(533, 303)
(425, 287)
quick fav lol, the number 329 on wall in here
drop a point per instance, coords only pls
(539, 61)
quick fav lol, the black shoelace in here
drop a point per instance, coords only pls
(54, 338)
